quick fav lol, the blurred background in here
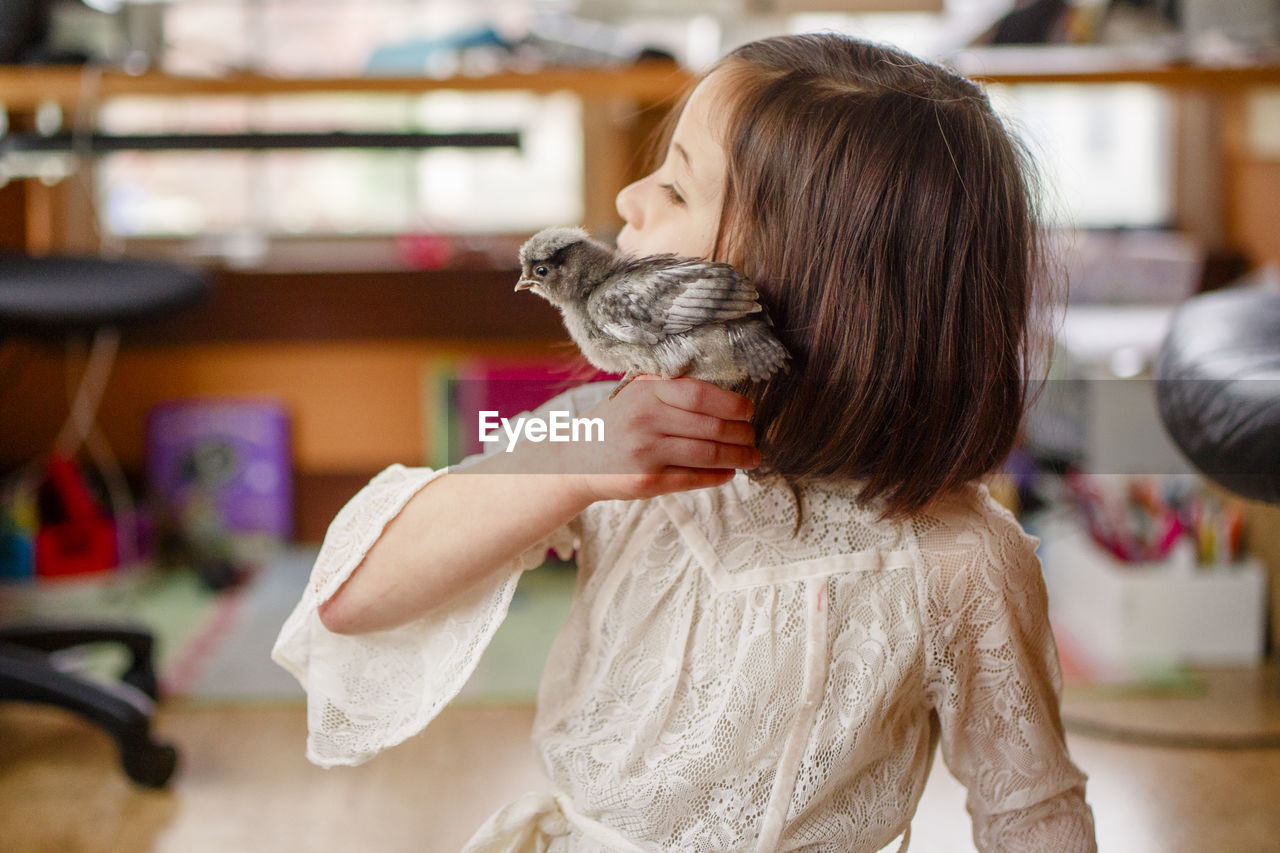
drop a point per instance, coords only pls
(349, 181)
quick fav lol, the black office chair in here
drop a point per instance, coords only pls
(52, 298)
(1218, 388)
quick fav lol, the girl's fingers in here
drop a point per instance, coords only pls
(681, 452)
(679, 479)
(694, 395)
(679, 422)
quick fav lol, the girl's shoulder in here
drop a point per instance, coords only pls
(958, 516)
(969, 541)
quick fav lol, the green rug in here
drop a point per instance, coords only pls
(174, 605)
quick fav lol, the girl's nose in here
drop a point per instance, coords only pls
(629, 206)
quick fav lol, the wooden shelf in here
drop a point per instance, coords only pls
(1104, 66)
(24, 88)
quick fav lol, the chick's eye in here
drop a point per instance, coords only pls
(540, 271)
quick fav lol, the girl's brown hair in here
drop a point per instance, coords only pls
(886, 216)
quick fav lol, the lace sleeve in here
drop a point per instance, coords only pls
(993, 678)
(371, 691)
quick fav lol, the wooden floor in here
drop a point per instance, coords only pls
(245, 787)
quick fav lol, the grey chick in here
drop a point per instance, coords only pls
(659, 314)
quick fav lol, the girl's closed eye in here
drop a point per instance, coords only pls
(673, 195)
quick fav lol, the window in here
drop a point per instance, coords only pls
(1105, 152)
(345, 191)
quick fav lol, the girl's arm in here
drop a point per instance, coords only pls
(995, 682)
(659, 436)
(450, 535)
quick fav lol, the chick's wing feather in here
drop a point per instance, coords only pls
(650, 298)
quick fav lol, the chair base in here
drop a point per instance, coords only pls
(123, 710)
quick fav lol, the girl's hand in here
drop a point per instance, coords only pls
(663, 435)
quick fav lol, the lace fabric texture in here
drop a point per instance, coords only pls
(724, 683)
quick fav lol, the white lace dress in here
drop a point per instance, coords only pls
(725, 685)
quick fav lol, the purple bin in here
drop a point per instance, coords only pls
(232, 453)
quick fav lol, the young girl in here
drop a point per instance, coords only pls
(756, 661)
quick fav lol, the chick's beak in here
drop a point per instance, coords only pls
(525, 284)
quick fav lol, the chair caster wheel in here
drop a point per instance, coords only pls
(151, 766)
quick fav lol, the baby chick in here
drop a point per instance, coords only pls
(660, 314)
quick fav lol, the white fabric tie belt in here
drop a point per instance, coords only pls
(529, 824)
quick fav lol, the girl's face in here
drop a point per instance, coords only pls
(677, 208)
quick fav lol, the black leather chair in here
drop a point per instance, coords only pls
(1218, 388)
(52, 298)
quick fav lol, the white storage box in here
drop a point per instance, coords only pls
(1118, 614)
